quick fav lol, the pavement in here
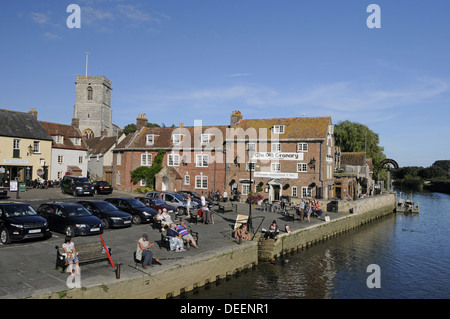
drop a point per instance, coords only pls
(27, 269)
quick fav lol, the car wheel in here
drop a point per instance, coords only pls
(4, 236)
(69, 231)
(181, 211)
(106, 223)
(137, 219)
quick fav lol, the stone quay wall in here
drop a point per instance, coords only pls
(188, 274)
(363, 211)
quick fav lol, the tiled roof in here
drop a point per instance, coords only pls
(163, 137)
(100, 145)
(67, 131)
(352, 158)
(21, 125)
(295, 127)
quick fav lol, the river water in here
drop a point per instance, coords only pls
(412, 252)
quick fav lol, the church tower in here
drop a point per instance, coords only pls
(92, 110)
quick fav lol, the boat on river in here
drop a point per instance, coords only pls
(406, 205)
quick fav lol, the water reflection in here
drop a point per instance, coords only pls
(411, 250)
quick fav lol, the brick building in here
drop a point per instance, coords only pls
(289, 156)
(194, 158)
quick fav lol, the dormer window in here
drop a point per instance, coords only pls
(205, 139)
(59, 139)
(76, 140)
(150, 139)
(176, 138)
(278, 129)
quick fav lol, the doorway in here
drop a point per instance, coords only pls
(165, 184)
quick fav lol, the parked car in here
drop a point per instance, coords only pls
(77, 185)
(70, 219)
(19, 221)
(139, 212)
(108, 213)
(197, 197)
(172, 199)
(156, 204)
(3, 192)
(102, 187)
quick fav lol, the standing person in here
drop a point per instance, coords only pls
(71, 255)
(302, 210)
(143, 252)
(225, 196)
(203, 199)
(188, 205)
(207, 215)
(308, 210)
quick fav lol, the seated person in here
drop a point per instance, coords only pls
(317, 209)
(176, 243)
(143, 252)
(166, 219)
(273, 231)
(183, 231)
(241, 233)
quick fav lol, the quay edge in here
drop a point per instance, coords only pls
(184, 276)
(364, 211)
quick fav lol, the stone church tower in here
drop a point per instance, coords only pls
(92, 111)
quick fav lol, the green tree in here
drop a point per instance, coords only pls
(357, 137)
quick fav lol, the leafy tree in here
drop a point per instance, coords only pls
(131, 128)
(357, 137)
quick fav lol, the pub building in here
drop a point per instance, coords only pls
(25, 148)
(284, 156)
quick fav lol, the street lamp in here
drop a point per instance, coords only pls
(250, 228)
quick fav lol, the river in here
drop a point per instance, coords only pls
(412, 252)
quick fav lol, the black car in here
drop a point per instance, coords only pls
(156, 204)
(19, 221)
(3, 192)
(108, 213)
(140, 212)
(77, 185)
(102, 187)
(71, 219)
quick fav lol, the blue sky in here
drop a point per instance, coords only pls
(182, 60)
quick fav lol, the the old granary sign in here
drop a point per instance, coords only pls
(277, 156)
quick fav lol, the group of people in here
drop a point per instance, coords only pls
(308, 207)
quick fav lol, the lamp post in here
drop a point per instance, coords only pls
(250, 227)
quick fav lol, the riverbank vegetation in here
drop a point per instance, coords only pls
(434, 178)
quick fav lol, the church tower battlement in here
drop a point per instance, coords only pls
(93, 105)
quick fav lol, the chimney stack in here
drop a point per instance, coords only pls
(236, 117)
(141, 122)
(33, 112)
(76, 122)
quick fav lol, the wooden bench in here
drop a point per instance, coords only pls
(227, 207)
(165, 240)
(87, 253)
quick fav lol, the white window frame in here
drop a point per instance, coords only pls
(294, 191)
(246, 188)
(150, 139)
(201, 160)
(187, 179)
(173, 160)
(80, 159)
(176, 138)
(201, 182)
(306, 192)
(118, 178)
(251, 147)
(279, 129)
(302, 167)
(60, 159)
(16, 144)
(276, 147)
(302, 147)
(146, 159)
(36, 147)
(275, 167)
(205, 139)
(119, 158)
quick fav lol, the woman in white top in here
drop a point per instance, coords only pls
(71, 255)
